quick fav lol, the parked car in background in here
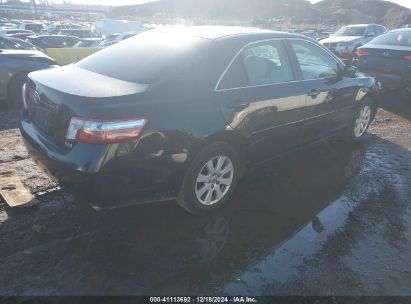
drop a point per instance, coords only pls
(14, 67)
(312, 34)
(109, 27)
(22, 36)
(8, 32)
(53, 41)
(54, 28)
(7, 43)
(345, 42)
(88, 43)
(6, 24)
(34, 27)
(25, 44)
(388, 59)
(80, 33)
(179, 113)
(115, 38)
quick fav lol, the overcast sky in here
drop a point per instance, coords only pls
(122, 2)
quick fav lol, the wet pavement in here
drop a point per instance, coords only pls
(334, 219)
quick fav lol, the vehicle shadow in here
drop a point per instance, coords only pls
(161, 249)
(9, 119)
(391, 102)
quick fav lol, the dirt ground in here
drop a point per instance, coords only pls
(331, 220)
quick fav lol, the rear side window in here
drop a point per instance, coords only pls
(259, 64)
(401, 38)
(235, 77)
(315, 63)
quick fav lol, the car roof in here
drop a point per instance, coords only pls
(358, 25)
(221, 32)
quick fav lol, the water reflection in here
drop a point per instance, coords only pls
(160, 248)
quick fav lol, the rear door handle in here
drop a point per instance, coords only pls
(314, 94)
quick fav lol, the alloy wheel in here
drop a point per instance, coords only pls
(362, 121)
(214, 180)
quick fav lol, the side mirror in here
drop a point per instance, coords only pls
(350, 71)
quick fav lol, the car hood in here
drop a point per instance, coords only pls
(337, 39)
(74, 80)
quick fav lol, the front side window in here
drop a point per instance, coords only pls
(315, 63)
(259, 64)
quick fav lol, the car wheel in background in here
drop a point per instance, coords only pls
(210, 179)
(14, 97)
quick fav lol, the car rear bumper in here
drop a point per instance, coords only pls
(390, 81)
(99, 175)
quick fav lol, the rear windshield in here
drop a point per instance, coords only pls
(402, 38)
(144, 58)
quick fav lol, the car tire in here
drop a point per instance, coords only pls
(14, 97)
(210, 179)
(362, 119)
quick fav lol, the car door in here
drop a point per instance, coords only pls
(259, 95)
(329, 95)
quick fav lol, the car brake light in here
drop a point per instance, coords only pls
(362, 53)
(95, 131)
(23, 95)
(27, 93)
(408, 57)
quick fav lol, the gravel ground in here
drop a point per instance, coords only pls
(331, 220)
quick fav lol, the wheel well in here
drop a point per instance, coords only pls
(375, 99)
(18, 76)
(233, 138)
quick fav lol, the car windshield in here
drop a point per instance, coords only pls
(141, 59)
(402, 38)
(351, 31)
(24, 44)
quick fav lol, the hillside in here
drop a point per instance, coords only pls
(343, 11)
(366, 11)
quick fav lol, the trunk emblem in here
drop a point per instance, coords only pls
(386, 54)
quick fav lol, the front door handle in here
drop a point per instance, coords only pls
(314, 94)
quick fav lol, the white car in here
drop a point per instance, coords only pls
(346, 40)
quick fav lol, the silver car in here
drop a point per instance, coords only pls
(346, 40)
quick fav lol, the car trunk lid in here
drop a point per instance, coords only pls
(54, 96)
(388, 59)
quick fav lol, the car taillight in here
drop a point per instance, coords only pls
(23, 95)
(95, 131)
(27, 93)
(362, 53)
(408, 57)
